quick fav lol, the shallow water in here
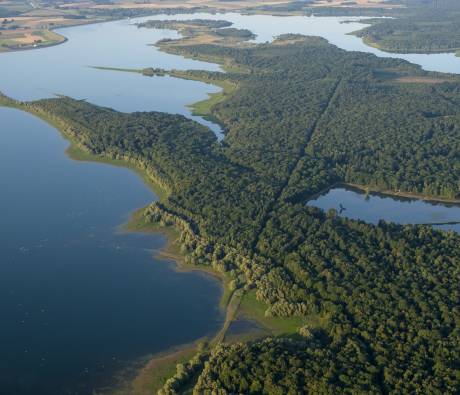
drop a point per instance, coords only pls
(374, 207)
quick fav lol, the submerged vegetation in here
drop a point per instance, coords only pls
(369, 309)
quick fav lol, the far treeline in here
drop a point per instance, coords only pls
(380, 303)
(425, 26)
(194, 27)
(410, 26)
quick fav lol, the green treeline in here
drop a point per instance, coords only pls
(423, 27)
(369, 127)
(305, 115)
(174, 24)
(192, 27)
(412, 26)
(233, 32)
(287, 366)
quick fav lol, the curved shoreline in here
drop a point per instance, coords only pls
(43, 46)
(386, 192)
(168, 250)
(364, 39)
(367, 41)
(53, 30)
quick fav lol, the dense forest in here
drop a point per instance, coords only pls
(174, 24)
(425, 26)
(410, 26)
(305, 115)
(216, 30)
(307, 366)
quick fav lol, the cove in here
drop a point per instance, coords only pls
(78, 298)
(356, 204)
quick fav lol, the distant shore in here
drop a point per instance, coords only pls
(385, 192)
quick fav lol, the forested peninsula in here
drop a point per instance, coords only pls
(422, 27)
(398, 26)
(377, 305)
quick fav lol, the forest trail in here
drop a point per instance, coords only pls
(295, 166)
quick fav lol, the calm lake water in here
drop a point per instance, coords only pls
(331, 28)
(64, 69)
(78, 298)
(374, 207)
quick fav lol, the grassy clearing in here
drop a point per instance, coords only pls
(420, 80)
(253, 309)
(50, 37)
(204, 107)
(24, 39)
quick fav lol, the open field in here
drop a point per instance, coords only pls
(28, 25)
(34, 28)
(221, 5)
(355, 4)
(420, 80)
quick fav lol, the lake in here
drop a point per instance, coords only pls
(356, 204)
(334, 29)
(80, 299)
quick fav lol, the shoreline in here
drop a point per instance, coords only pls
(367, 41)
(43, 46)
(383, 192)
(169, 251)
(53, 30)
(408, 195)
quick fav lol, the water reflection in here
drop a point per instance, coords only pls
(266, 27)
(356, 204)
(78, 298)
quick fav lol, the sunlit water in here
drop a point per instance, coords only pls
(355, 204)
(64, 69)
(266, 27)
(79, 299)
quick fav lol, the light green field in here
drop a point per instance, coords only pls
(253, 309)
